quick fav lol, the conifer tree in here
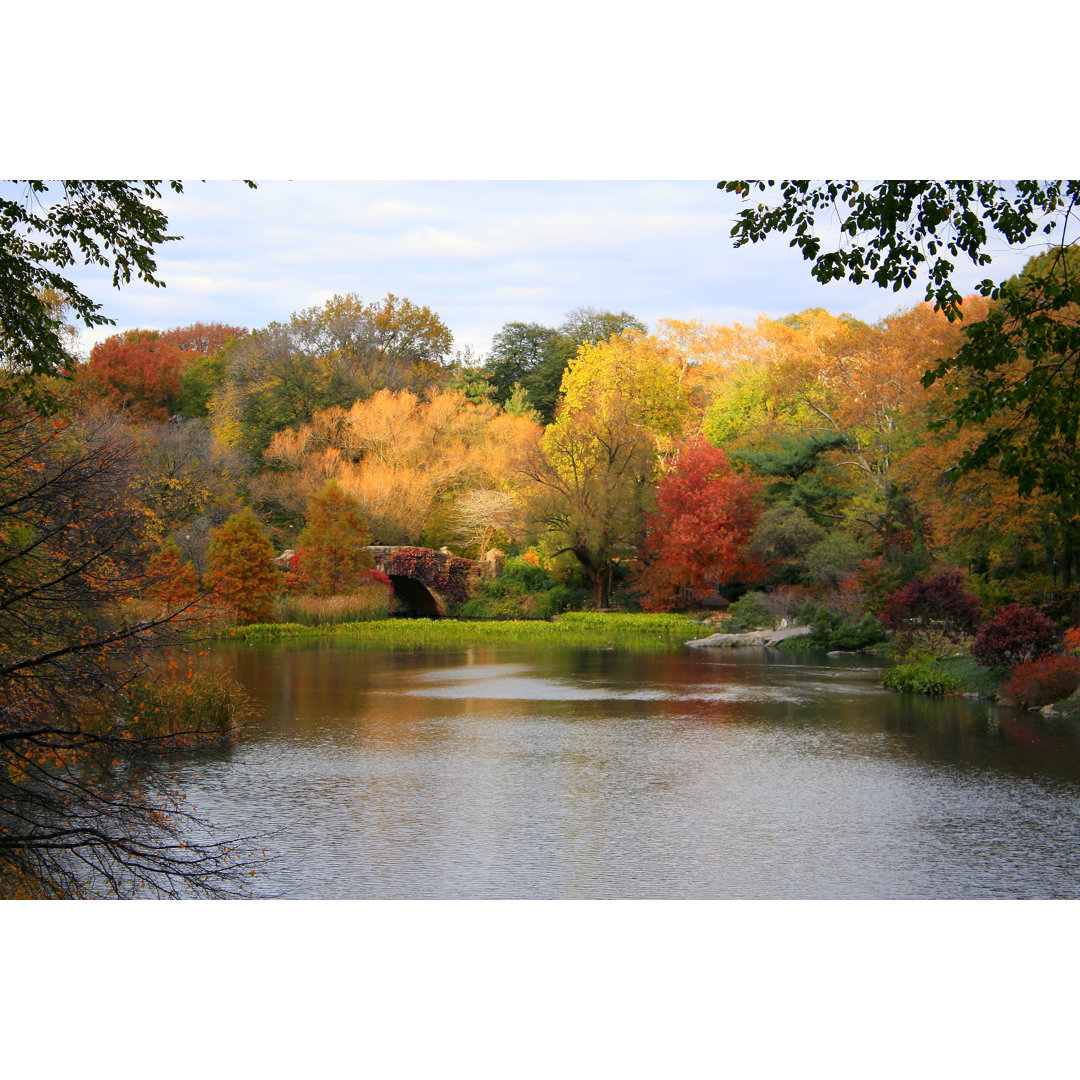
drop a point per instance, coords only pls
(332, 546)
(241, 571)
(170, 579)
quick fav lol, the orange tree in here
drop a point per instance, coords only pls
(241, 573)
(332, 548)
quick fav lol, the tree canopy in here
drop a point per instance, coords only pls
(47, 227)
(1023, 358)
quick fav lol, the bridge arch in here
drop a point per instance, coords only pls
(426, 582)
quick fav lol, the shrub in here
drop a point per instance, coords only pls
(1042, 682)
(1072, 639)
(921, 678)
(940, 605)
(829, 631)
(749, 612)
(852, 637)
(1015, 635)
(522, 590)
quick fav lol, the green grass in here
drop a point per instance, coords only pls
(579, 629)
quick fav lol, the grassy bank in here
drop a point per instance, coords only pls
(578, 629)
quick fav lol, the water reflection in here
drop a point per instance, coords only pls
(499, 773)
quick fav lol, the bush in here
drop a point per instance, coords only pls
(522, 591)
(830, 631)
(749, 612)
(1015, 635)
(937, 606)
(921, 678)
(852, 637)
(1042, 682)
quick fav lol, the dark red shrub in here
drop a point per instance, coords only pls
(1015, 635)
(1042, 682)
(939, 604)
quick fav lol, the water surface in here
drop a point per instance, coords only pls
(487, 773)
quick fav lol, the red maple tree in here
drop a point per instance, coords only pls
(698, 535)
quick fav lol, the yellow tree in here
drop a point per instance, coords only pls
(404, 458)
(621, 408)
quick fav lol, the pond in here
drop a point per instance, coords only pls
(505, 773)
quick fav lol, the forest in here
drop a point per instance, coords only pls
(799, 459)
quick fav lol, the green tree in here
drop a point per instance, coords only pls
(242, 574)
(536, 357)
(332, 548)
(46, 227)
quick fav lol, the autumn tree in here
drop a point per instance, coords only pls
(332, 548)
(81, 810)
(325, 357)
(402, 457)
(155, 374)
(170, 579)
(241, 574)
(698, 536)
(139, 372)
(591, 475)
(1020, 364)
(481, 515)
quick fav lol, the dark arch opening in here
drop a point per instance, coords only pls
(414, 598)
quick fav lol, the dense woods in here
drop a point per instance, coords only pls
(807, 454)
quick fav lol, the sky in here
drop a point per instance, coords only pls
(479, 253)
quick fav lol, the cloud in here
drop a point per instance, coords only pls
(479, 253)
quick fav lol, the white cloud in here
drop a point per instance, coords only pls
(479, 253)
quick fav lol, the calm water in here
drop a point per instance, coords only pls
(589, 774)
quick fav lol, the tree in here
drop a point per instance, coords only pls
(82, 808)
(241, 573)
(47, 227)
(536, 357)
(171, 580)
(332, 548)
(138, 371)
(593, 470)
(517, 350)
(699, 533)
(324, 357)
(403, 458)
(893, 231)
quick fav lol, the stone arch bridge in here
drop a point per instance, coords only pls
(427, 582)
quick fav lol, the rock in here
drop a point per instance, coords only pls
(753, 637)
